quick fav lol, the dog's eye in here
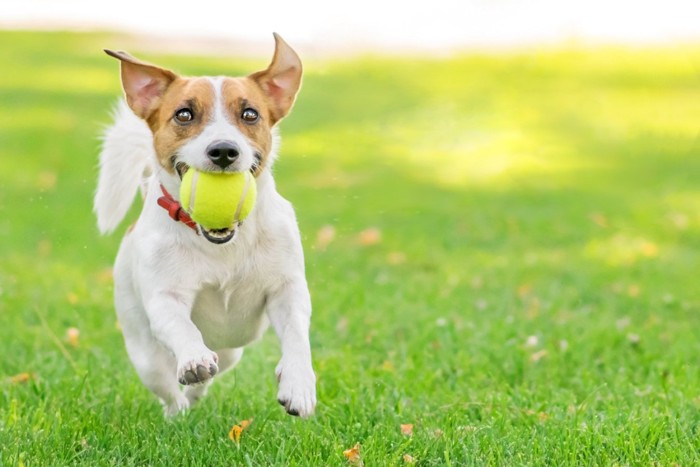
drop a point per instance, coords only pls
(250, 115)
(184, 115)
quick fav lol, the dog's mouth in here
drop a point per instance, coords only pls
(181, 168)
(218, 236)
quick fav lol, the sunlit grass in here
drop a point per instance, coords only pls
(530, 295)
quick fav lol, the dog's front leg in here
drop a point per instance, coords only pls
(289, 310)
(169, 315)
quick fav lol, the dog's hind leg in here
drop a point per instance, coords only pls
(228, 358)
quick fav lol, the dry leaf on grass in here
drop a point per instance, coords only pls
(633, 290)
(370, 236)
(20, 378)
(524, 290)
(46, 181)
(324, 237)
(649, 249)
(537, 356)
(72, 336)
(72, 298)
(598, 219)
(44, 247)
(409, 459)
(395, 258)
(353, 455)
(237, 430)
(105, 275)
(407, 429)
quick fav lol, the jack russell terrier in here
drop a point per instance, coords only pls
(188, 300)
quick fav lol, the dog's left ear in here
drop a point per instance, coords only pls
(281, 80)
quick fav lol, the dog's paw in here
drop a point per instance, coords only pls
(197, 369)
(297, 389)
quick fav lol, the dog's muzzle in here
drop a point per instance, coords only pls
(219, 236)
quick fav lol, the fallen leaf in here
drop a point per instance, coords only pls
(370, 236)
(679, 220)
(44, 247)
(46, 180)
(533, 308)
(395, 258)
(342, 324)
(72, 336)
(353, 455)
(633, 290)
(599, 219)
(524, 290)
(370, 336)
(105, 275)
(237, 430)
(409, 459)
(649, 249)
(324, 237)
(72, 298)
(407, 429)
(20, 378)
(537, 356)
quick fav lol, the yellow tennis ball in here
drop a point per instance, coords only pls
(217, 200)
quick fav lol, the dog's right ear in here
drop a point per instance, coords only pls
(144, 84)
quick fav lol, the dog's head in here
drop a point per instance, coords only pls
(216, 124)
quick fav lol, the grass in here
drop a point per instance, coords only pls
(532, 300)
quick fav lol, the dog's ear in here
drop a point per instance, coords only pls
(144, 84)
(281, 80)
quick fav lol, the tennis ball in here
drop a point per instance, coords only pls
(217, 200)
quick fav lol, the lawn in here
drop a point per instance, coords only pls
(502, 249)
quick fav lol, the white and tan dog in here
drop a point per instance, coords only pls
(188, 299)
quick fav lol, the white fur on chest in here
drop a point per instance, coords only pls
(230, 318)
(229, 307)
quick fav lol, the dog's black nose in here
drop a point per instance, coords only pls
(223, 153)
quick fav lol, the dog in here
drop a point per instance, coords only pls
(190, 299)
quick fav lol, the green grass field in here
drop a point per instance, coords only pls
(528, 293)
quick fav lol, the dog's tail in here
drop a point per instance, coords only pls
(125, 165)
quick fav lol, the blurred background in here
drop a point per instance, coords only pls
(439, 26)
(500, 211)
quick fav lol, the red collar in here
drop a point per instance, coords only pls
(175, 210)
